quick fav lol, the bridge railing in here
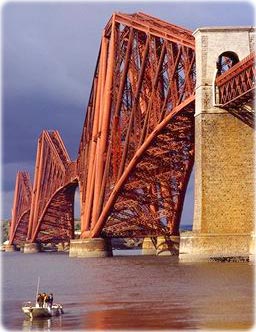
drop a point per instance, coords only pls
(236, 85)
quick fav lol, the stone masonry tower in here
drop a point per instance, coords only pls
(224, 157)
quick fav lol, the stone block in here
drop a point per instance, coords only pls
(9, 248)
(149, 246)
(167, 246)
(91, 247)
(31, 248)
(196, 246)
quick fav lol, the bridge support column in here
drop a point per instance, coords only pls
(63, 246)
(224, 159)
(198, 246)
(252, 248)
(148, 246)
(60, 246)
(91, 247)
(167, 246)
(10, 248)
(31, 248)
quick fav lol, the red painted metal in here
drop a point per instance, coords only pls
(137, 147)
(52, 213)
(236, 89)
(20, 209)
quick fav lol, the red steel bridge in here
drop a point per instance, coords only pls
(137, 146)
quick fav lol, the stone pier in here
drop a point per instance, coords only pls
(148, 246)
(161, 246)
(91, 247)
(9, 248)
(224, 157)
(63, 246)
(31, 248)
(167, 246)
(197, 246)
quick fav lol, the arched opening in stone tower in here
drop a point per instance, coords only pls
(225, 61)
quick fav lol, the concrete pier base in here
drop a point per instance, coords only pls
(96, 247)
(148, 246)
(167, 246)
(252, 248)
(31, 248)
(214, 247)
(63, 246)
(10, 248)
(60, 246)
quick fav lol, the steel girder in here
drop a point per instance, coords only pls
(137, 146)
(52, 212)
(236, 89)
(21, 208)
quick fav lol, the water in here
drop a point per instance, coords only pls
(186, 228)
(128, 292)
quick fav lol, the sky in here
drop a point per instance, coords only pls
(49, 52)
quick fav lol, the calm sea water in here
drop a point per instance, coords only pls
(128, 293)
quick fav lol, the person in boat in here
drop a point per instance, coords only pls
(40, 300)
(44, 295)
(46, 300)
(50, 300)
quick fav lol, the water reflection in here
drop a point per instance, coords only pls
(139, 317)
(42, 324)
(36, 325)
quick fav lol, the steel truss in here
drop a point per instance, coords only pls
(52, 217)
(236, 89)
(21, 209)
(137, 146)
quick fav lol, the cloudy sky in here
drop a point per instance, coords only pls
(49, 52)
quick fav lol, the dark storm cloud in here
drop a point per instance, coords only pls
(45, 86)
(49, 56)
(39, 112)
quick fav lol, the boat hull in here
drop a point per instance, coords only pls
(37, 312)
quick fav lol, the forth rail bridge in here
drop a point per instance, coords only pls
(162, 99)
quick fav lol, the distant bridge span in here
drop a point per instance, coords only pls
(21, 208)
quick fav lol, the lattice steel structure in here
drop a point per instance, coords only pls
(236, 89)
(137, 146)
(21, 209)
(51, 217)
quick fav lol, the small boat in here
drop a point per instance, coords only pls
(45, 311)
(33, 311)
